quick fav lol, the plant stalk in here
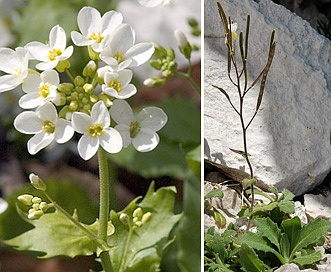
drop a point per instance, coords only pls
(104, 206)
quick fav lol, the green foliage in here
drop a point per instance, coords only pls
(142, 249)
(278, 209)
(214, 193)
(291, 243)
(169, 157)
(11, 224)
(54, 235)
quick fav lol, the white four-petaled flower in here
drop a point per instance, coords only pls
(39, 89)
(121, 51)
(117, 84)
(46, 126)
(50, 54)
(15, 64)
(96, 131)
(140, 131)
(95, 30)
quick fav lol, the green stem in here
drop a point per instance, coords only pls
(71, 218)
(104, 206)
(126, 248)
(195, 86)
(70, 75)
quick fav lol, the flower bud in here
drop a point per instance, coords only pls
(92, 54)
(180, 38)
(37, 182)
(90, 69)
(79, 81)
(138, 213)
(88, 88)
(152, 82)
(63, 65)
(33, 214)
(146, 217)
(124, 218)
(25, 199)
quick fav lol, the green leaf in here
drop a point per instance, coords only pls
(292, 228)
(285, 247)
(146, 244)
(269, 230)
(54, 235)
(255, 241)
(249, 260)
(311, 233)
(308, 259)
(214, 193)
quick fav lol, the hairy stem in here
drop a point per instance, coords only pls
(104, 206)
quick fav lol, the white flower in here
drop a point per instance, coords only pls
(39, 89)
(95, 30)
(3, 205)
(140, 131)
(117, 84)
(50, 54)
(153, 3)
(46, 126)
(121, 52)
(15, 65)
(96, 131)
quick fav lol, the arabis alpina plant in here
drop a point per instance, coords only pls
(84, 104)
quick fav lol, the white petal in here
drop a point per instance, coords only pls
(125, 76)
(63, 131)
(80, 122)
(48, 65)
(80, 40)
(28, 123)
(127, 92)
(38, 50)
(87, 146)
(146, 140)
(9, 82)
(51, 77)
(30, 101)
(47, 112)
(152, 117)
(39, 141)
(140, 53)
(88, 19)
(100, 114)
(57, 38)
(124, 130)
(31, 83)
(110, 21)
(111, 140)
(121, 112)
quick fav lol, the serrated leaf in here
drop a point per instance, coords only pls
(269, 230)
(310, 233)
(54, 235)
(249, 260)
(147, 238)
(255, 241)
(214, 193)
(308, 259)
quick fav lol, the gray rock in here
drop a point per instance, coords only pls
(289, 140)
(318, 206)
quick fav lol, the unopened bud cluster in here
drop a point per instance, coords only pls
(38, 207)
(138, 219)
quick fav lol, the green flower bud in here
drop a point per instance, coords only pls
(79, 81)
(36, 200)
(37, 182)
(138, 224)
(33, 214)
(92, 54)
(138, 212)
(146, 217)
(66, 87)
(90, 69)
(88, 88)
(25, 199)
(124, 218)
(63, 65)
(153, 82)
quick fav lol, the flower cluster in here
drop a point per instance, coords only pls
(138, 219)
(55, 110)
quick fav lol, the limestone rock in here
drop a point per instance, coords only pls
(289, 140)
(318, 206)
